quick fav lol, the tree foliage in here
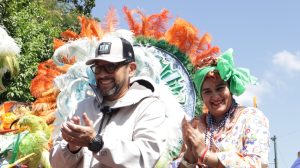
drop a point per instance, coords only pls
(82, 6)
(33, 24)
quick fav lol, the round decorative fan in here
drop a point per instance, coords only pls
(166, 68)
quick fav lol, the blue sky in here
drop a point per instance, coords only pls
(265, 36)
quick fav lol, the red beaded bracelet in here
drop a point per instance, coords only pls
(203, 155)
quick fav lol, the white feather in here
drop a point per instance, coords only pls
(8, 46)
(125, 34)
(83, 49)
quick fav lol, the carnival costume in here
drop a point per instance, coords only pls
(244, 137)
(166, 58)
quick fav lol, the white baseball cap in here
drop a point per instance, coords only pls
(113, 49)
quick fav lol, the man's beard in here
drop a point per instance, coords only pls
(115, 90)
(112, 92)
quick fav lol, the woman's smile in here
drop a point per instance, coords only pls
(216, 104)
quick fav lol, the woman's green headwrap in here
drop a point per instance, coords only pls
(238, 77)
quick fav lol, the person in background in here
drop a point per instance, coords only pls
(124, 126)
(296, 164)
(228, 135)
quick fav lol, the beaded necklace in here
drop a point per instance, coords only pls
(220, 124)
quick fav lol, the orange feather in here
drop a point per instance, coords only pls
(204, 41)
(96, 29)
(43, 82)
(40, 107)
(156, 24)
(150, 26)
(196, 59)
(111, 20)
(40, 84)
(57, 43)
(69, 35)
(83, 26)
(6, 106)
(89, 28)
(133, 25)
(182, 34)
(185, 36)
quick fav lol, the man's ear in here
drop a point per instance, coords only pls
(132, 68)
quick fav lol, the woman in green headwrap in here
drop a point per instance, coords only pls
(228, 135)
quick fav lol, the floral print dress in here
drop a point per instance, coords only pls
(244, 143)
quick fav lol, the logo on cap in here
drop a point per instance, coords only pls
(104, 48)
(130, 54)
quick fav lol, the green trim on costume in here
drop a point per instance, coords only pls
(15, 151)
(169, 48)
(183, 58)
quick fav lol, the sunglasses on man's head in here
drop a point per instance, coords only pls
(109, 68)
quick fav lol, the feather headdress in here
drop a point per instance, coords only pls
(168, 55)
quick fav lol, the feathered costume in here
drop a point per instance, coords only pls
(9, 51)
(160, 54)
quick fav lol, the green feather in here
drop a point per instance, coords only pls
(36, 141)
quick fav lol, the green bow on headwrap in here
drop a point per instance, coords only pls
(238, 77)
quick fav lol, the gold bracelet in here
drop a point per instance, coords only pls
(186, 164)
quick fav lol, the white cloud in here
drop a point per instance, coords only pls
(252, 91)
(287, 61)
(272, 78)
(275, 78)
